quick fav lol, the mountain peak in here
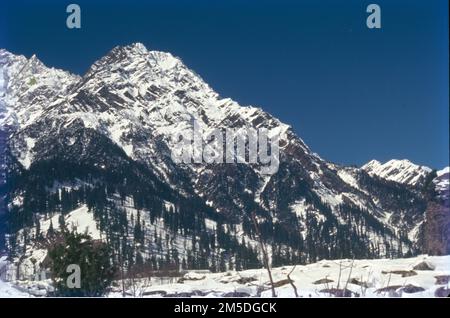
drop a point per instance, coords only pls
(136, 58)
(371, 164)
(401, 171)
(139, 47)
(134, 48)
(6, 57)
(4, 52)
(139, 50)
(27, 86)
(444, 171)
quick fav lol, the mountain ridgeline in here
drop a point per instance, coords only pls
(102, 144)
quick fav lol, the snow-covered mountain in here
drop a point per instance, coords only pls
(26, 88)
(401, 171)
(442, 183)
(102, 143)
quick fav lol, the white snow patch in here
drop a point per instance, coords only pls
(443, 171)
(80, 218)
(348, 178)
(210, 224)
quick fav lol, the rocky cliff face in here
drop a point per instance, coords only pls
(436, 229)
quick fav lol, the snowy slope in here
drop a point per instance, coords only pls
(7, 290)
(401, 171)
(27, 86)
(442, 183)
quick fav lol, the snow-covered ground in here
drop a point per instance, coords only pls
(421, 276)
(7, 289)
(360, 278)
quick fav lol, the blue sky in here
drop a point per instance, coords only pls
(353, 94)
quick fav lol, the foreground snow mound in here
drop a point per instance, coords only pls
(7, 290)
(406, 277)
(421, 276)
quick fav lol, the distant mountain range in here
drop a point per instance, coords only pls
(95, 152)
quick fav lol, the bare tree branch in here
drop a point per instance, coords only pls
(265, 257)
(292, 282)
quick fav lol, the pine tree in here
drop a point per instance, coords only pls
(62, 222)
(94, 259)
(50, 231)
(38, 229)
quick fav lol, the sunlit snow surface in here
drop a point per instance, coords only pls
(374, 274)
(7, 289)
(402, 171)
